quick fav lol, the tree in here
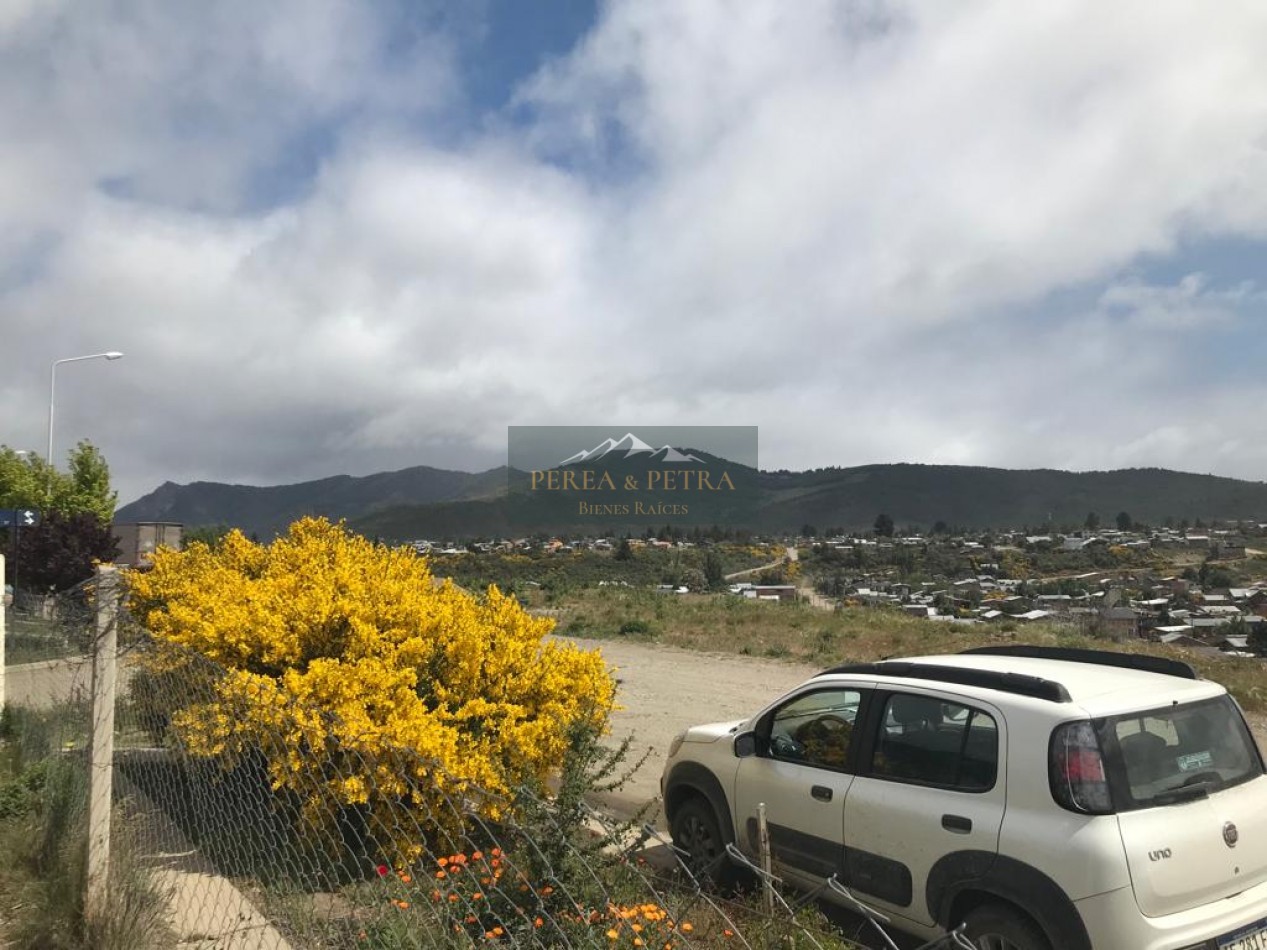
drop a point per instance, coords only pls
(773, 576)
(693, 579)
(714, 571)
(63, 550)
(86, 488)
(22, 478)
(364, 685)
(77, 507)
(1124, 521)
(624, 550)
(1257, 641)
(27, 481)
(883, 526)
(1211, 576)
(1092, 523)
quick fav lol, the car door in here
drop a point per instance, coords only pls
(801, 772)
(930, 783)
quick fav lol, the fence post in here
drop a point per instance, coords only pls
(763, 844)
(101, 755)
(4, 609)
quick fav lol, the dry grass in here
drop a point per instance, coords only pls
(727, 624)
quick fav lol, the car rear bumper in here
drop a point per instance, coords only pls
(1114, 921)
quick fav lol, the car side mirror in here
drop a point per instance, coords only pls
(745, 745)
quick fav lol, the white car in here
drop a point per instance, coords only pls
(1052, 799)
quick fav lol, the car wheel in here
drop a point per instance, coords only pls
(998, 927)
(698, 837)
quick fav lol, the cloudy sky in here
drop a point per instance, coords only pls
(346, 237)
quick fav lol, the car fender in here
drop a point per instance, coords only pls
(1013, 881)
(699, 779)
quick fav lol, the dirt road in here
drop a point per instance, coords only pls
(663, 690)
(49, 682)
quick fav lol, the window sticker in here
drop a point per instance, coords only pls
(1194, 761)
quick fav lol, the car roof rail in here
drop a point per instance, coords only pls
(1018, 683)
(1125, 661)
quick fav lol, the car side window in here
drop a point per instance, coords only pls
(934, 742)
(815, 728)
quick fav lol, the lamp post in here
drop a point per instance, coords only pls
(52, 390)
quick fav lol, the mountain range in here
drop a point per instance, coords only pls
(425, 502)
(266, 511)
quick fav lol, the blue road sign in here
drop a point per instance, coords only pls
(19, 517)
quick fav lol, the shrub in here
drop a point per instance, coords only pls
(366, 686)
(20, 794)
(635, 628)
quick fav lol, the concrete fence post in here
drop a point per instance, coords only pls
(4, 609)
(101, 752)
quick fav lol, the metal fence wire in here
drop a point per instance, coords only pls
(44, 628)
(218, 837)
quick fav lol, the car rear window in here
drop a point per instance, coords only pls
(1177, 753)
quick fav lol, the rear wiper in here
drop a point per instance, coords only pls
(1198, 786)
(1184, 793)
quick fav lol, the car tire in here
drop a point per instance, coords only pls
(1000, 927)
(698, 837)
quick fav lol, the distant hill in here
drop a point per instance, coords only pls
(267, 511)
(998, 498)
(913, 495)
(434, 503)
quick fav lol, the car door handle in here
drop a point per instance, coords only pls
(821, 792)
(956, 823)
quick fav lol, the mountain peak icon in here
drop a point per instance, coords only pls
(628, 446)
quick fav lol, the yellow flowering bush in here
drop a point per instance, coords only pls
(360, 679)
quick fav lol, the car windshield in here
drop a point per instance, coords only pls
(1178, 753)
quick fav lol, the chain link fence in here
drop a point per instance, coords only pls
(139, 807)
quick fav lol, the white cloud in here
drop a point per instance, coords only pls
(184, 104)
(972, 155)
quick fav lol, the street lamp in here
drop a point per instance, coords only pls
(52, 389)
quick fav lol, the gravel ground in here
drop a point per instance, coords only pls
(663, 690)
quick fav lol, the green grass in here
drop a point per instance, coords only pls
(797, 631)
(43, 853)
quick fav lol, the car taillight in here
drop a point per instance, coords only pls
(1075, 769)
